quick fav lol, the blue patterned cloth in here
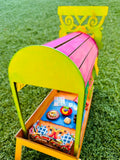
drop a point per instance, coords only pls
(60, 120)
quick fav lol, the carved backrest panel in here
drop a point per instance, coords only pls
(88, 19)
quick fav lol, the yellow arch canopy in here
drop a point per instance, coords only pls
(46, 67)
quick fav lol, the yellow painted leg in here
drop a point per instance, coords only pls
(18, 150)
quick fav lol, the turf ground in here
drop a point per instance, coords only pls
(30, 22)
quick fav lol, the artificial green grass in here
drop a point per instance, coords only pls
(26, 22)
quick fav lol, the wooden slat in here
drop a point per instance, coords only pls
(79, 55)
(90, 71)
(59, 41)
(69, 47)
(89, 63)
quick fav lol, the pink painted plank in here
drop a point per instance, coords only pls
(87, 66)
(70, 46)
(88, 51)
(58, 41)
(79, 55)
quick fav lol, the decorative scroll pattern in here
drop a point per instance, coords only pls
(85, 19)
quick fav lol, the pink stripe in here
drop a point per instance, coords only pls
(87, 66)
(58, 41)
(70, 46)
(79, 55)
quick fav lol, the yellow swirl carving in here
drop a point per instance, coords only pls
(69, 21)
(93, 21)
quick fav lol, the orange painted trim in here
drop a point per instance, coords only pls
(44, 149)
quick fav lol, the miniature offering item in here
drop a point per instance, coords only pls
(67, 120)
(66, 111)
(52, 115)
(59, 101)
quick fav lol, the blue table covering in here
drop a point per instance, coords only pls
(60, 120)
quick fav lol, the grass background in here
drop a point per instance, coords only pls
(34, 22)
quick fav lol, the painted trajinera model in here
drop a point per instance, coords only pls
(66, 65)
